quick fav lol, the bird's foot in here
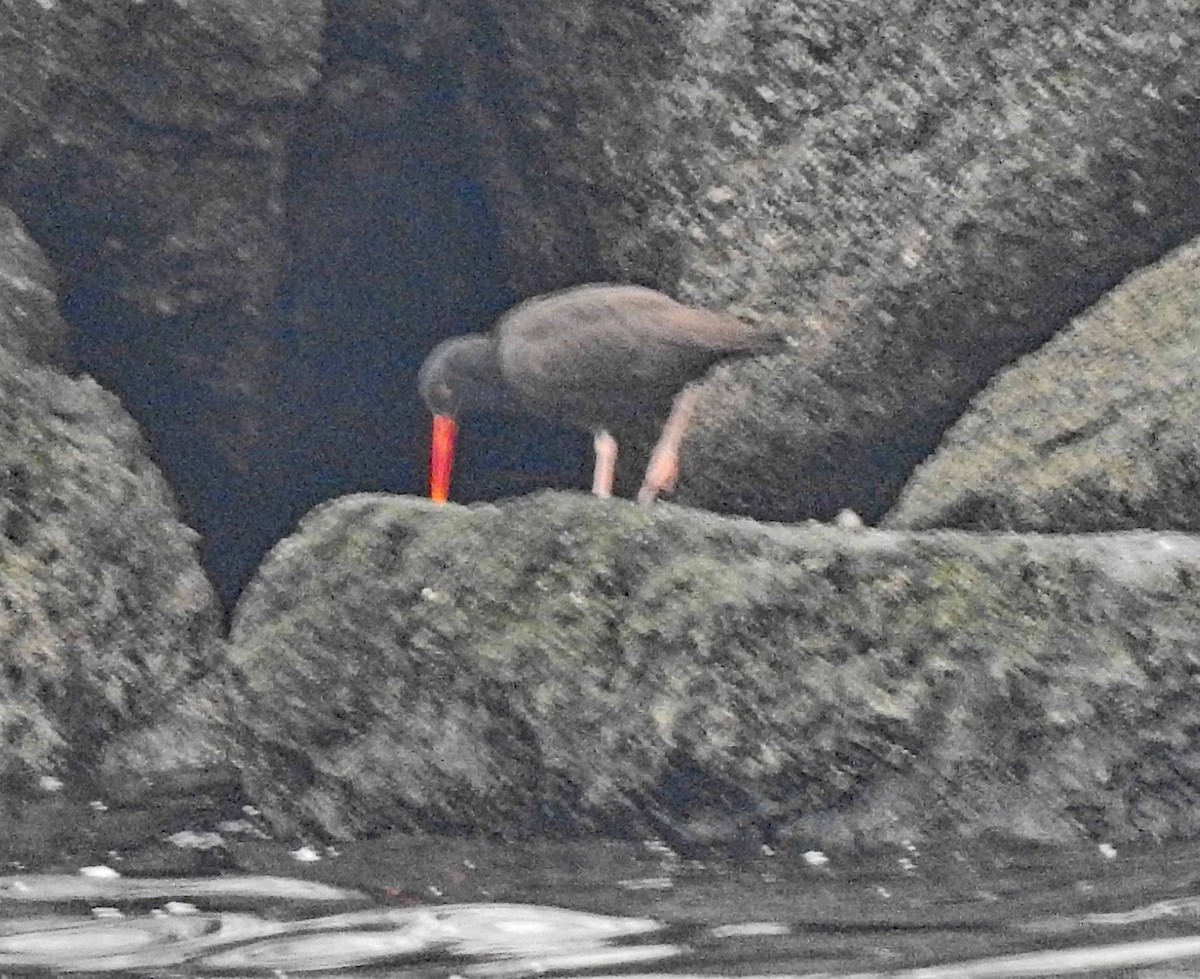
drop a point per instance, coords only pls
(662, 475)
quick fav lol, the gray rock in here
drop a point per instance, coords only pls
(105, 613)
(1097, 430)
(923, 191)
(145, 143)
(30, 325)
(145, 148)
(559, 663)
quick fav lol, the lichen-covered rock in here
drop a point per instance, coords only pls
(558, 663)
(925, 190)
(104, 611)
(1097, 430)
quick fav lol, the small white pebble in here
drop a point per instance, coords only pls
(181, 907)
(766, 850)
(97, 806)
(107, 913)
(882, 891)
(719, 195)
(48, 783)
(306, 854)
(815, 858)
(106, 873)
(906, 864)
(847, 519)
(435, 891)
(1108, 851)
(251, 811)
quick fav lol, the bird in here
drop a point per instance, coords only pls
(601, 357)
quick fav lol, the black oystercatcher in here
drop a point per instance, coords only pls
(601, 357)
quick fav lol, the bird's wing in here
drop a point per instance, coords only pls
(661, 319)
(605, 316)
(604, 345)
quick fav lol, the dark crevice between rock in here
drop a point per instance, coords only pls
(394, 245)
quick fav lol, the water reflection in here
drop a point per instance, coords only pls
(509, 938)
(605, 909)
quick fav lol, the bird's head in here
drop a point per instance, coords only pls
(459, 376)
(438, 380)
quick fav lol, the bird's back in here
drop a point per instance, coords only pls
(600, 353)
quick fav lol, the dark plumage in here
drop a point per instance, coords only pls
(601, 357)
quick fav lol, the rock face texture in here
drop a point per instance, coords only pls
(144, 146)
(104, 611)
(1099, 429)
(105, 614)
(30, 324)
(243, 198)
(557, 664)
(923, 190)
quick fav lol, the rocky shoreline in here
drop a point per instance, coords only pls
(985, 375)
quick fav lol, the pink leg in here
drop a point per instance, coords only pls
(663, 472)
(606, 464)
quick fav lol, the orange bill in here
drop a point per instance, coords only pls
(441, 461)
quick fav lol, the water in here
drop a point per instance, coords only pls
(446, 908)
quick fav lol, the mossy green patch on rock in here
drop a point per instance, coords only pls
(561, 663)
